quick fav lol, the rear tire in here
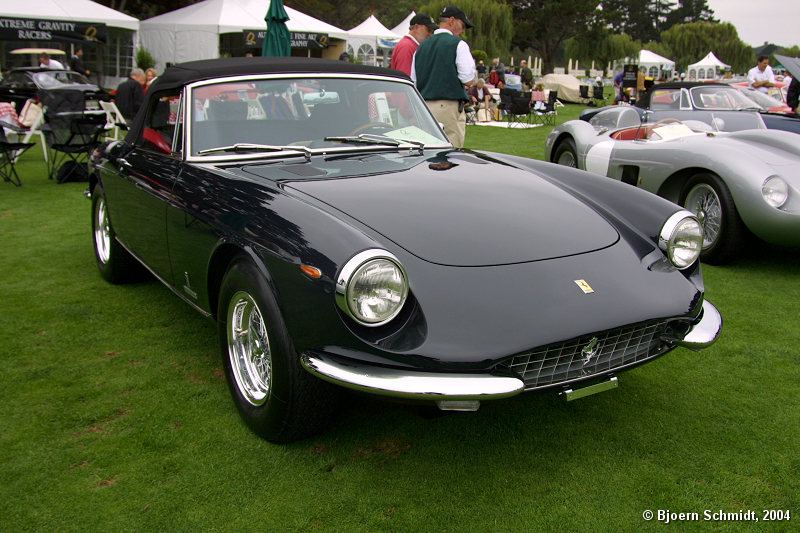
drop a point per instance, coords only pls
(275, 396)
(114, 262)
(707, 196)
(566, 154)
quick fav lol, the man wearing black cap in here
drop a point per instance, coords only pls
(422, 27)
(442, 66)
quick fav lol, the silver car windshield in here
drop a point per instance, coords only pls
(52, 79)
(309, 113)
(716, 98)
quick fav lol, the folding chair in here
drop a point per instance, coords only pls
(548, 114)
(597, 93)
(516, 107)
(115, 122)
(584, 89)
(9, 153)
(70, 132)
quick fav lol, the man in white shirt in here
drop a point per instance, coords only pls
(441, 68)
(47, 62)
(761, 76)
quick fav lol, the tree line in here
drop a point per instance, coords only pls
(587, 30)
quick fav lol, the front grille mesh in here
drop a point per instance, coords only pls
(593, 354)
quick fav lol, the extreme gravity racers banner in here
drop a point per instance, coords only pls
(17, 29)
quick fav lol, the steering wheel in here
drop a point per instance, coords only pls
(666, 120)
(364, 127)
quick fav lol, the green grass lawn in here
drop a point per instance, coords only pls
(114, 413)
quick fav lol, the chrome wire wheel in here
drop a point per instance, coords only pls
(248, 349)
(703, 201)
(102, 232)
(567, 158)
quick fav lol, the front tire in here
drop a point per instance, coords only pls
(114, 262)
(566, 154)
(277, 399)
(707, 196)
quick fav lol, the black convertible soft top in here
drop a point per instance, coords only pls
(177, 76)
(191, 71)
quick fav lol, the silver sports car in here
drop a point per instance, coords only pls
(733, 181)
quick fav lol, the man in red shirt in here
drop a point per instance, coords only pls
(422, 27)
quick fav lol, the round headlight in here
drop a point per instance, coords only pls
(775, 191)
(682, 239)
(372, 287)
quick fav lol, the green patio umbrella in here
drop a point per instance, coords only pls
(276, 41)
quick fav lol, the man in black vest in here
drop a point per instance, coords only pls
(442, 66)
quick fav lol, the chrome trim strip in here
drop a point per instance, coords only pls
(410, 384)
(704, 333)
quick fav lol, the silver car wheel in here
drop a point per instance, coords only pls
(702, 200)
(102, 232)
(248, 349)
(567, 158)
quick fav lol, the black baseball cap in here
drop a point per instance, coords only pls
(457, 12)
(424, 20)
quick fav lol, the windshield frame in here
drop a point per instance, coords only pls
(188, 111)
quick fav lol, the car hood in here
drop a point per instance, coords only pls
(454, 208)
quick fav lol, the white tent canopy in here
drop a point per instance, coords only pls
(72, 10)
(367, 38)
(402, 28)
(708, 68)
(654, 65)
(192, 32)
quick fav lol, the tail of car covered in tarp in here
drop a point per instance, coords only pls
(568, 87)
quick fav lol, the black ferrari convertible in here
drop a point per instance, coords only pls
(315, 210)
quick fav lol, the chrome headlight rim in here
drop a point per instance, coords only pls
(775, 187)
(669, 233)
(347, 273)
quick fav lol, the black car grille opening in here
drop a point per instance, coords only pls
(594, 354)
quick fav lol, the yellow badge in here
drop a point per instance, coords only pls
(585, 287)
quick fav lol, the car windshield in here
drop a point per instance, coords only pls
(58, 78)
(266, 115)
(720, 98)
(764, 100)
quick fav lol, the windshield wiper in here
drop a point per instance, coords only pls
(382, 140)
(249, 147)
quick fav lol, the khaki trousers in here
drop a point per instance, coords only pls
(455, 123)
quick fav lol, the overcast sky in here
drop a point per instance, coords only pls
(775, 21)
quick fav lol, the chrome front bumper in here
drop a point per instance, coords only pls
(410, 384)
(704, 333)
(438, 386)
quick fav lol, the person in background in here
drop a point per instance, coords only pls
(442, 66)
(421, 27)
(761, 76)
(792, 95)
(499, 68)
(344, 56)
(46, 61)
(76, 62)
(526, 74)
(481, 69)
(482, 99)
(130, 94)
(621, 96)
(149, 77)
